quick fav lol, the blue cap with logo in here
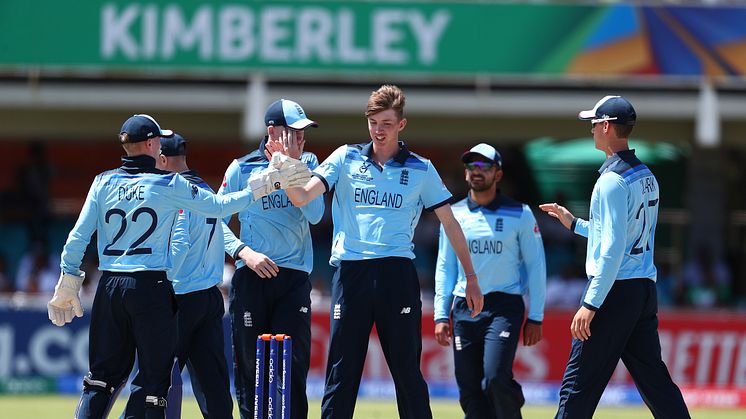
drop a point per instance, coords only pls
(483, 150)
(614, 109)
(141, 127)
(173, 146)
(287, 113)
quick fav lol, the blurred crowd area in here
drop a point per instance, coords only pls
(43, 186)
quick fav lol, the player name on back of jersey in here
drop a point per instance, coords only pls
(133, 192)
(378, 198)
(491, 247)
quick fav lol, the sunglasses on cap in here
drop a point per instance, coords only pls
(481, 165)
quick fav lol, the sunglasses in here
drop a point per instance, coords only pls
(481, 165)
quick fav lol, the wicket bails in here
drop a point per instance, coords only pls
(273, 376)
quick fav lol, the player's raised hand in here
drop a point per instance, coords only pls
(65, 304)
(443, 333)
(559, 212)
(259, 263)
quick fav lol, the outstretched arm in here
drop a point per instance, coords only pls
(452, 228)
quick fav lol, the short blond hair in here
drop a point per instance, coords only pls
(386, 97)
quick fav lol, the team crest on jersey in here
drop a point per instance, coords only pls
(194, 191)
(404, 177)
(364, 167)
(499, 224)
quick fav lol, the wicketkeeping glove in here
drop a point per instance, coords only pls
(283, 172)
(65, 304)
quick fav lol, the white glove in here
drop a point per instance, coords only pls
(65, 304)
(283, 172)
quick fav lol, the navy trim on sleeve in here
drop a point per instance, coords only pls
(442, 321)
(533, 321)
(440, 204)
(590, 307)
(572, 225)
(240, 248)
(326, 184)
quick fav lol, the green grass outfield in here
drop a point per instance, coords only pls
(49, 407)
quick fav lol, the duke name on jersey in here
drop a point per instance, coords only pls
(272, 225)
(501, 237)
(133, 209)
(202, 238)
(625, 199)
(375, 209)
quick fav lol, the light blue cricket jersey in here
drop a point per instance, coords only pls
(272, 225)
(134, 208)
(196, 247)
(502, 238)
(375, 209)
(621, 228)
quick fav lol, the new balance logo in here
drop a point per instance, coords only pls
(304, 310)
(337, 311)
(457, 342)
(247, 322)
(504, 334)
(406, 310)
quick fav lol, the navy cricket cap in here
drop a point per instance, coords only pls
(614, 109)
(483, 150)
(287, 113)
(173, 146)
(141, 127)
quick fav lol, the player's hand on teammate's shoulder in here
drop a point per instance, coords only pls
(559, 212)
(259, 263)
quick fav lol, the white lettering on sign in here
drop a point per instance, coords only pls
(272, 34)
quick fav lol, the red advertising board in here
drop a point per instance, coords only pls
(702, 350)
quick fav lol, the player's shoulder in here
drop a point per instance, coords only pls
(308, 156)
(508, 206)
(416, 161)
(195, 179)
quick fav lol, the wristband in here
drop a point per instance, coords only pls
(470, 274)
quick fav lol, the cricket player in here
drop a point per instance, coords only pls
(503, 239)
(271, 288)
(198, 258)
(133, 209)
(380, 189)
(618, 316)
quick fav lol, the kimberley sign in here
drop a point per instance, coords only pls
(272, 34)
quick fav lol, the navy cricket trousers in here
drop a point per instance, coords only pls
(200, 346)
(483, 352)
(385, 291)
(131, 312)
(280, 305)
(626, 327)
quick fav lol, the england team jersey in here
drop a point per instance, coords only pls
(196, 247)
(503, 240)
(621, 228)
(133, 209)
(272, 225)
(375, 209)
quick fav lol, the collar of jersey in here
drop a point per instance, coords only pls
(623, 155)
(139, 164)
(492, 205)
(400, 157)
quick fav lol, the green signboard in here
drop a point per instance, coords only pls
(437, 38)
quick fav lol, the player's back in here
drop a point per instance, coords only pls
(134, 219)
